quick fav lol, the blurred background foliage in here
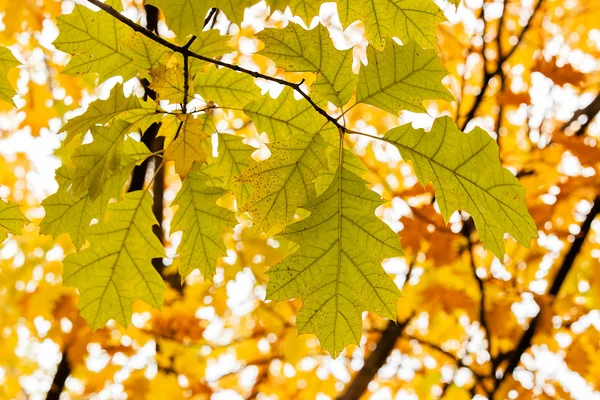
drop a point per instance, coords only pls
(527, 71)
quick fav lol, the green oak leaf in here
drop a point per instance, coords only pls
(407, 19)
(7, 62)
(284, 181)
(233, 9)
(101, 112)
(145, 53)
(203, 223)
(298, 50)
(92, 38)
(184, 17)
(337, 271)
(67, 213)
(401, 78)
(116, 270)
(226, 87)
(305, 9)
(284, 116)
(299, 153)
(169, 83)
(11, 219)
(232, 159)
(96, 161)
(416, 20)
(467, 175)
(209, 43)
(351, 163)
(374, 14)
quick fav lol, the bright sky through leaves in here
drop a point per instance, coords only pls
(217, 199)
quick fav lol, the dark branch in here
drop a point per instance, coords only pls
(590, 111)
(63, 371)
(456, 359)
(487, 76)
(467, 229)
(212, 15)
(375, 361)
(559, 279)
(186, 83)
(188, 53)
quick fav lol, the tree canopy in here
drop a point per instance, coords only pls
(299, 199)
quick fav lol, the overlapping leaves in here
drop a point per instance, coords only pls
(299, 153)
(336, 268)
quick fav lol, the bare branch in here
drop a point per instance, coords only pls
(375, 361)
(63, 370)
(590, 111)
(487, 76)
(567, 263)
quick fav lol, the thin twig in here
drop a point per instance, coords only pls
(188, 53)
(487, 76)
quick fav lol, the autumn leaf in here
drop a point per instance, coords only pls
(203, 221)
(293, 49)
(467, 175)
(116, 269)
(401, 78)
(7, 62)
(337, 271)
(186, 148)
(11, 219)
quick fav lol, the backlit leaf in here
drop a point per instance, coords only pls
(92, 38)
(337, 269)
(101, 111)
(7, 62)
(203, 222)
(401, 78)
(232, 159)
(407, 19)
(68, 213)
(96, 161)
(225, 87)
(116, 270)
(11, 219)
(299, 50)
(186, 148)
(184, 17)
(467, 175)
(299, 153)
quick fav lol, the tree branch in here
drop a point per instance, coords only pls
(561, 275)
(590, 111)
(487, 76)
(375, 361)
(466, 231)
(63, 370)
(183, 50)
(456, 359)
